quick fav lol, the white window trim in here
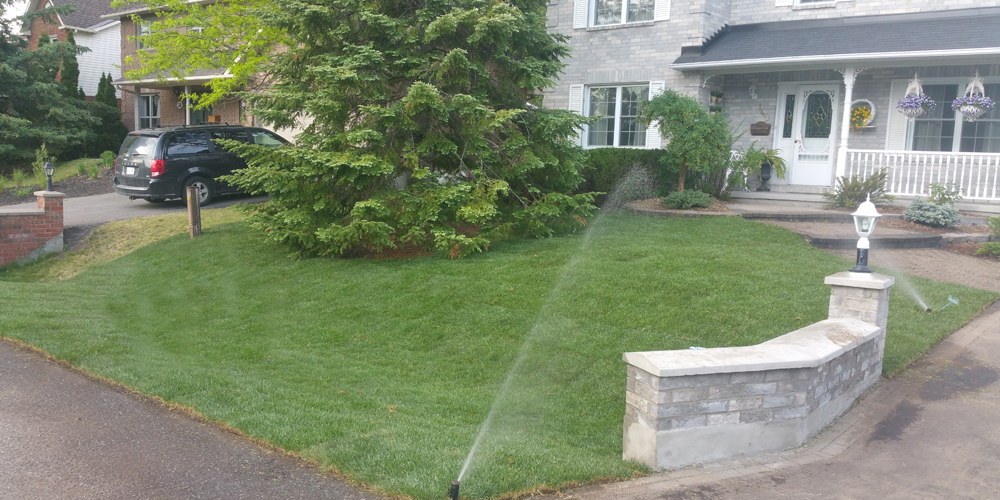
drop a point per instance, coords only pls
(962, 82)
(618, 114)
(585, 11)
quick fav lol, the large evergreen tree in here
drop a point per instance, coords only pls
(33, 108)
(70, 75)
(109, 135)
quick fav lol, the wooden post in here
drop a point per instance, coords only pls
(194, 211)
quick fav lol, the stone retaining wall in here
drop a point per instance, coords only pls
(26, 235)
(692, 406)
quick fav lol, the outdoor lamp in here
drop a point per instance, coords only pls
(49, 170)
(864, 223)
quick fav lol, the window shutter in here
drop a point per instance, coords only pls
(783, 3)
(653, 138)
(576, 106)
(580, 13)
(661, 12)
(897, 125)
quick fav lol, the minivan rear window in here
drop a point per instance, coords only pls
(138, 145)
(187, 143)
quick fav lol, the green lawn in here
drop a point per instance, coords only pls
(386, 369)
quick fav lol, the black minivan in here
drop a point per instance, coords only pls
(157, 164)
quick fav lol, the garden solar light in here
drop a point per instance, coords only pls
(864, 223)
(49, 170)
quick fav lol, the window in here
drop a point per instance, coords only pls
(618, 109)
(199, 116)
(149, 111)
(236, 135)
(945, 130)
(141, 30)
(265, 138)
(187, 143)
(617, 12)
(53, 38)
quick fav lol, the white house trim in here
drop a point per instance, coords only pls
(887, 59)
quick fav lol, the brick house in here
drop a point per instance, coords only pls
(801, 67)
(152, 102)
(90, 30)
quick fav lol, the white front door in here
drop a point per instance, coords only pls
(806, 121)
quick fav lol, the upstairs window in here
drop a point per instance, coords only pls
(141, 30)
(618, 12)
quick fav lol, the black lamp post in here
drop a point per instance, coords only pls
(49, 170)
(865, 219)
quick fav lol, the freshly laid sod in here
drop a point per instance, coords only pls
(386, 369)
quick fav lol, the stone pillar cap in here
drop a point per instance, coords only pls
(873, 281)
(50, 194)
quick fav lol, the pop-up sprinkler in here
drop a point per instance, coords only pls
(453, 494)
(951, 300)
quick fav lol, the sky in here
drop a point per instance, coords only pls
(16, 9)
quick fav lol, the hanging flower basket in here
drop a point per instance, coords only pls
(914, 102)
(974, 103)
(915, 105)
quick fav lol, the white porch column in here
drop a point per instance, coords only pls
(845, 122)
(187, 105)
(138, 102)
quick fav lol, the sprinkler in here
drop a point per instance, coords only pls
(453, 494)
(928, 310)
(951, 300)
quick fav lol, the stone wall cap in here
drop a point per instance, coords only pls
(21, 211)
(806, 347)
(873, 281)
(50, 194)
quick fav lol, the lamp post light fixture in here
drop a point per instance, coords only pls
(865, 219)
(49, 170)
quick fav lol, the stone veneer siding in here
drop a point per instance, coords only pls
(692, 406)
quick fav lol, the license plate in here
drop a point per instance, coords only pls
(129, 170)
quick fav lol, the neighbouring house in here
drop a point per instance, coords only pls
(90, 30)
(152, 102)
(801, 67)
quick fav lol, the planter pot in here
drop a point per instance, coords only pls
(760, 128)
(971, 111)
(912, 113)
(765, 176)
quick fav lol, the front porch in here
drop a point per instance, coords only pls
(797, 83)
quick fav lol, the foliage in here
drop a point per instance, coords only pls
(33, 107)
(975, 100)
(38, 166)
(698, 141)
(683, 200)
(238, 38)
(108, 159)
(438, 99)
(605, 168)
(991, 248)
(914, 101)
(69, 77)
(111, 132)
(946, 194)
(18, 177)
(854, 191)
(929, 214)
(994, 225)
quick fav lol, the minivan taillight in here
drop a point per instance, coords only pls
(158, 167)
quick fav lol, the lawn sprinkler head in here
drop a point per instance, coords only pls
(928, 310)
(453, 494)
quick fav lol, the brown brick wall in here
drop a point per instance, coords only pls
(21, 234)
(39, 26)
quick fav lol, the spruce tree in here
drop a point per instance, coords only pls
(70, 75)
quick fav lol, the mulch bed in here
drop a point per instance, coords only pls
(913, 226)
(655, 204)
(73, 187)
(967, 248)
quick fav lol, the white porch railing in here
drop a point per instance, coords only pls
(911, 173)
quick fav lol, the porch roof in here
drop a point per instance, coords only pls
(927, 38)
(154, 81)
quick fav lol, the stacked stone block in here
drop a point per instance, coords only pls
(24, 232)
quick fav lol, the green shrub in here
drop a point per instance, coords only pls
(18, 177)
(994, 224)
(108, 159)
(854, 191)
(924, 212)
(38, 166)
(81, 168)
(94, 170)
(945, 194)
(989, 249)
(606, 167)
(687, 199)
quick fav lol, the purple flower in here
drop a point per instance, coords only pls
(913, 101)
(977, 100)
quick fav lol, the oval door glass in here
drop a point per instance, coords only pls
(816, 126)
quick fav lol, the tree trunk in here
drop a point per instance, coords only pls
(680, 178)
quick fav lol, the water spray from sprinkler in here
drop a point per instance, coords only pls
(951, 300)
(453, 494)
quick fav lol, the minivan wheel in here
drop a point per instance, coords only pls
(205, 190)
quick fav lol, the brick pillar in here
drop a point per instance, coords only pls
(863, 296)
